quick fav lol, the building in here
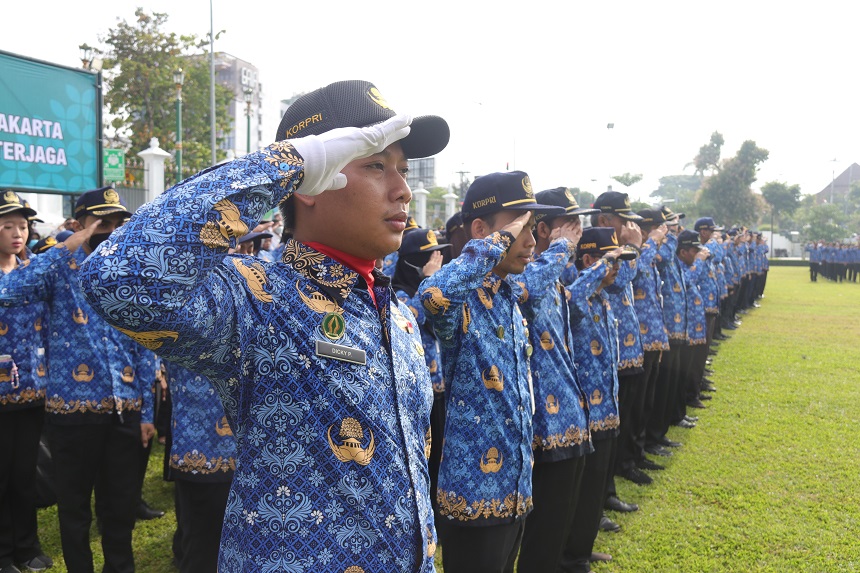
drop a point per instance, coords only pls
(242, 79)
(422, 170)
(837, 190)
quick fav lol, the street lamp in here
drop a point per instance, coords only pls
(178, 79)
(249, 97)
(86, 56)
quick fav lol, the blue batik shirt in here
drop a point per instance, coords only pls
(23, 338)
(94, 370)
(331, 471)
(202, 448)
(560, 421)
(432, 355)
(647, 300)
(389, 264)
(486, 469)
(595, 349)
(694, 276)
(630, 355)
(673, 290)
(708, 287)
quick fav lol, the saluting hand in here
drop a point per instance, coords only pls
(516, 226)
(433, 265)
(658, 233)
(77, 239)
(631, 234)
(570, 230)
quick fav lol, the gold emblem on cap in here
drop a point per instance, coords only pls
(111, 197)
(492, 461)
(431, 241)
(569, 196)
(377, 98)
(333, 325)
(10, 197)
(493, 379)
(83, 373)
(527, 187)
(350, 450)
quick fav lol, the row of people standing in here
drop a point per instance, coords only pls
(837, 262)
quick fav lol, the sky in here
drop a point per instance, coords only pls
(532, 86)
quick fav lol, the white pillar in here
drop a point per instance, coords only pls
(153, 164)
(450, 202)
(421, 198)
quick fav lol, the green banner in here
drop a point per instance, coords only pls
(114, 165)
(50, 124)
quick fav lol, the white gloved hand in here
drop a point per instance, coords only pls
(326, 154)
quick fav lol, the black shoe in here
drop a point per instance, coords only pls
(704, 396)
(658, 451)
(37, 563)
(615, 504)
(597, 556)
(686, 424)
(607, 524)
(667, 443)
(145, 513)
(693, 419)
(696, 404)
(708, 388)
(708, 362)
(636, 476)
(712, 352)
(721, 336)
(730, 326)
(756, 305)
(646, 464)
(709, 372)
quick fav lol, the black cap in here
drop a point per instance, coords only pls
(615, 203)
(599, 241)
(561, 197)
(357, 103)
(33, 218)
(11, 202)
(651, 217)
(503, 191)
(411, 223)
(688, 239)
(454, 223)
(671, 218)
(706, 223)
(100, 202)
(420, 241)
(44, 244)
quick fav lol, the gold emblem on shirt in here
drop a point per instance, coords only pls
(317, 302)
(127, 375)
(484, 298)
(255, 277)
(546, 341)
(352, 434)
(38, 324)
(493, 379)
(83, 373)
(428, 440)
(4, 328)
(80, 317)
(643, 329)
(492, 461)
(596, 398)
(41, 371)
(596, 348)
(222, 428)
(151, 339)
(629, 340)
(552, 404)
(229, 226)
(435, 301)
(467, 318)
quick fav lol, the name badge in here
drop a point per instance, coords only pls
(340, 352)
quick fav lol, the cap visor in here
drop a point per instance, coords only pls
(628, 216)
(23, 211)
(583, 211)
(627, 255)
(428, 135)
(549, 210)
(108, 211)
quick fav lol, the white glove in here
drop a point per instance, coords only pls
(325, 155)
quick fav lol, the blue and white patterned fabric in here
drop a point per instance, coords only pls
(93, 369)
(708, 287)
(389, 264)
(647, 300)
(630, 355)
(560, 421)
(673, 291)
(331, 471)
(432, 356)
(695, 275)
(486, 470)
(202, 448)
(595, 349)
(23, 338)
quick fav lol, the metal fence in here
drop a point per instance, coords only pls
(133, 189)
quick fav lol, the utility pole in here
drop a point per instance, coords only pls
(462, 183)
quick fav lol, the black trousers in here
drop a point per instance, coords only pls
(652, 372)
(199, 519)
(83, 454)
(20, 431)
(437, 432)
(491, 549)
(631, 403)
(813, 272)
(555, 490)
(665, 394)
(589, 508)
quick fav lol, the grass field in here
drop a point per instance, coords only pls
(767, 482)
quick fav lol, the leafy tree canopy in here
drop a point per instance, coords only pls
(726, 195)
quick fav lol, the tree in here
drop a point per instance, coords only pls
(628, 179)
(680, 191)
(708, 158)
(783, 199)
(823, 222)
(141, 95)
(726, 195)
(583, 198)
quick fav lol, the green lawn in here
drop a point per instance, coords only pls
(766, 483)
